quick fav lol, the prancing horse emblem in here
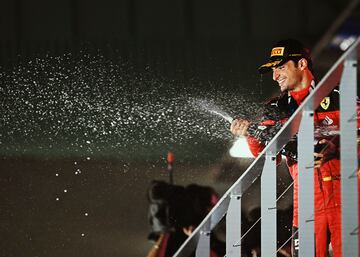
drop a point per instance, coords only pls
(325, 103)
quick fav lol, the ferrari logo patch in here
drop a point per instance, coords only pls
(277, 51)
(325, 103)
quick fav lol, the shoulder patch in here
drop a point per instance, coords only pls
(325, 103)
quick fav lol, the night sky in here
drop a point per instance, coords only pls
(94, 93)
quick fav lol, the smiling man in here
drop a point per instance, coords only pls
(291, 66)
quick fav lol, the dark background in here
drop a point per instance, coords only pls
(60, 198)
(231, 38)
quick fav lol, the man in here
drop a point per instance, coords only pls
(291, 66)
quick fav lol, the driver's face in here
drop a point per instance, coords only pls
(288, 76)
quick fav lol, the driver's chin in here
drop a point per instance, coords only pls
(283, 88)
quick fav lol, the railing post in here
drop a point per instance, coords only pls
(306, 183)
(268, 206)
(349, 158)
(203, 245)
(233, 226)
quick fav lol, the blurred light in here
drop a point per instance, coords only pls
(346, 43)
(343, 41)
(241, 149)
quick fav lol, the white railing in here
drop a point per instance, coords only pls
(342, 74)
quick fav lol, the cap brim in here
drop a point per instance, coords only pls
(269, 65)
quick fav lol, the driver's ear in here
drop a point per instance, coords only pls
(302, 63)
